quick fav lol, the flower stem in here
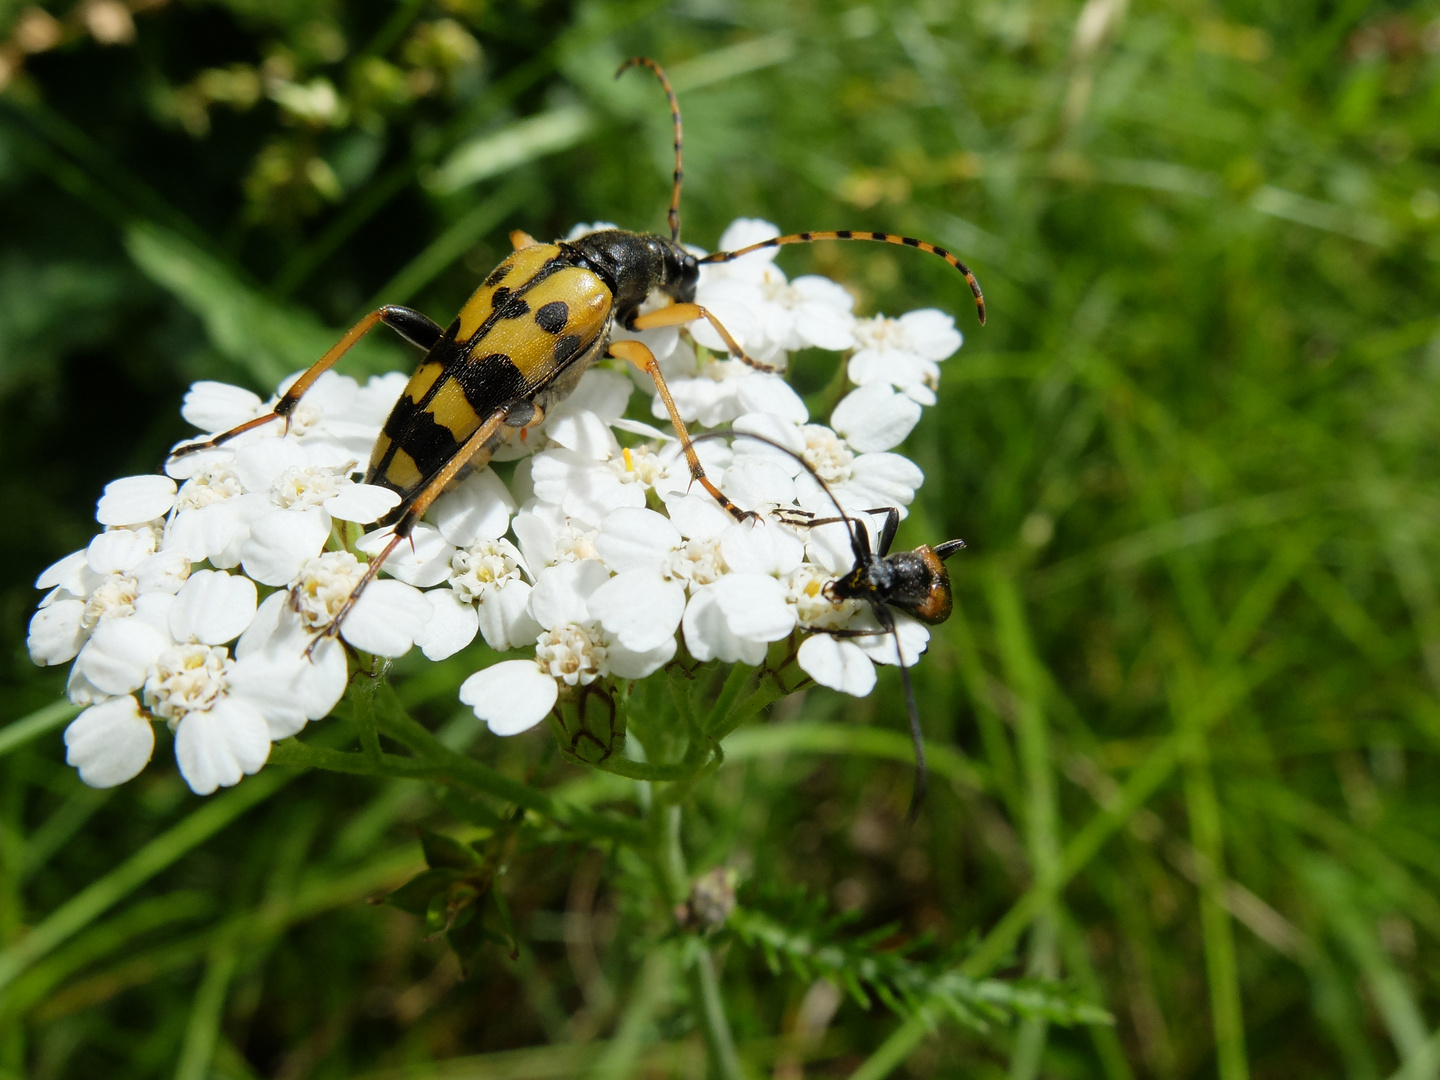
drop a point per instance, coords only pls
(710, 1012)
(767, 692)
(668, 856)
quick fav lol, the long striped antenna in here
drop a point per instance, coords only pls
(646, 62)
(856, 234)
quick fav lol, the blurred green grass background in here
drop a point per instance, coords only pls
(1191, 681)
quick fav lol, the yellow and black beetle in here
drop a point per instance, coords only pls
(521, 343)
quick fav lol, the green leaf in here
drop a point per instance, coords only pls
(444, 851)
(266, 339)
(416, 894)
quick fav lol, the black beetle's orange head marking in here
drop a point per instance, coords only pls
(632, 264)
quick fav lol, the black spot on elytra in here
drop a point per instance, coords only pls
(566, 347)
(497, 275)
(553, 316)
(510, 306)
(491, 381)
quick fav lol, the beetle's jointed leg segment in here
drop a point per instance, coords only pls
(640, 355)
(679, 314)
(427, 495)
(414, 327)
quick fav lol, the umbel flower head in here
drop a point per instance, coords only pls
(199, 604)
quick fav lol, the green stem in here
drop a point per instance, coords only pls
(454, 768)
(767, 692)
(710, 1011)
(19, 732)
(205, 1015)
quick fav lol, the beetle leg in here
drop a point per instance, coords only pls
(413, 513)
(414, 327)
(519, 238)
(640, 355)
(679, 314)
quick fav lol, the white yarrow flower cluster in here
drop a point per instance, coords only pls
(203, 603)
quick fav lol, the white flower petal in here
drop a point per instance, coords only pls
(282, 542)
(633, 538)
(511, 696)
(757, 484)
(192, 464)
(505, 619)
(217, 747)
(764, 393)
(163, 572)
(754, 606)
(287, 687)
(135, 499)
(452, 626)
(582, 487)
(332, 393)
(153, 609)
(259, 464)
(875, 417)
(562, 592)
(377, 398)
(697, 516)
(207, 531)
(726, 301)
(831, 547)
(900, 369)
(640, 608)
(776, 429)
(66, 573)
(217, 406)
(839, 664)
(708, 635)
(422, 559)
(636, 665)
(536, 540)
(882, 480)
(742, 232)
(644, 430)
(387, 618)
(914, 639)
(109, 743)
(118, 653)
(265, 625)
(56, 633)
(758, 547)
(931, 333)
(479, 508)
(212, 608)
(362, 503)
(81, 691)
(119, 550)
(584, 432)
(604, 393)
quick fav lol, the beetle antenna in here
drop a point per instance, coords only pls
(948, 548)
(646, 62)
(850, 523)
(917, 737)
(858, 234)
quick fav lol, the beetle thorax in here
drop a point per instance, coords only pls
(632, 264)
